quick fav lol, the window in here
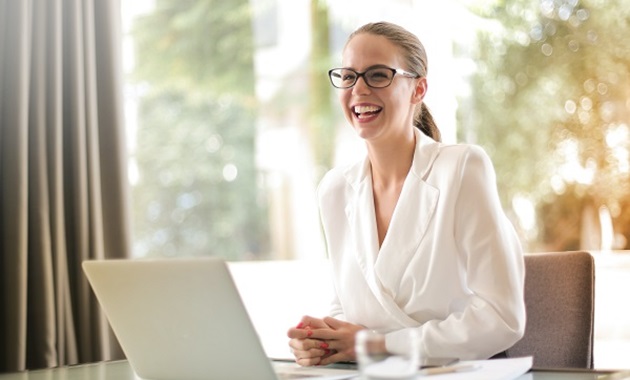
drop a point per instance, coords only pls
(232, 120)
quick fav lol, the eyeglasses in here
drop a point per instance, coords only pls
(376, 77)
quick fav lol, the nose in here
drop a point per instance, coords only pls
(360, 87)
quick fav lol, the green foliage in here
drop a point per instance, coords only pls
(198, 191)
(197, 45)
(550, 91)
(321, 115)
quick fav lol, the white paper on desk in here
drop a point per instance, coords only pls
(290, 370)
(493, 369)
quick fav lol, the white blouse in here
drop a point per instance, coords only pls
(451, 264)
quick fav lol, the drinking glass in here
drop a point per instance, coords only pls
(376, 363)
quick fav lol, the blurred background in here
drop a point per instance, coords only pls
(232, 122)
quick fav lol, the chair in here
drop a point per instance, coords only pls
(559, 299)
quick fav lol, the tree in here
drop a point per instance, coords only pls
(321, 115)
(198, 191)
(550, 106)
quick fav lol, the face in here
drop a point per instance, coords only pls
(379, 113)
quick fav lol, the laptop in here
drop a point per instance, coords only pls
(184, 319)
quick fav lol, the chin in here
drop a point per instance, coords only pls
(366, 133)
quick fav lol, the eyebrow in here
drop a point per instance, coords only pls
(378, 66)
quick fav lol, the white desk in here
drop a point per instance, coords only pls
(120, 370)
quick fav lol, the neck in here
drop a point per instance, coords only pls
(390, 161)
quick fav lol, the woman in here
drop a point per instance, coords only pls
(415, 231)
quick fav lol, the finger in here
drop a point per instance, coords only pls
(302, 333)
(335, 323)
(305, 327)
(309, 357)
(294, 333)
(307, 362)
(334, 358)
(338, 348)
(296, 344)
(328, 354)
(324, 334)
(308, 354)
(307, 344)
(313, 323)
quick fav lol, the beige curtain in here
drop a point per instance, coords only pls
(63, 188)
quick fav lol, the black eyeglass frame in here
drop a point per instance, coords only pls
(394, 71)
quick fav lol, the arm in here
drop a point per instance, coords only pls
(494, 318)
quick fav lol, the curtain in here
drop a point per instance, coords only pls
(63, 185)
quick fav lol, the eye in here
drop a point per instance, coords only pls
(348, 76)
(378, 75)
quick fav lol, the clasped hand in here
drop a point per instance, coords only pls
(316, 341)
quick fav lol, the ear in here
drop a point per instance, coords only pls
(420, 90)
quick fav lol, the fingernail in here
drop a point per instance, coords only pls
(326, 352)
(309, 333)
(300, 325)
(323, 345)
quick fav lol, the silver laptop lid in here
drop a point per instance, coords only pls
(179, 318)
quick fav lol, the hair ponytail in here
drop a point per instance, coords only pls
(423, 120)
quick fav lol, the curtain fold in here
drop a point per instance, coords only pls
(64, 196)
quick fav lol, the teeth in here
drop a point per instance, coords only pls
(363, 109)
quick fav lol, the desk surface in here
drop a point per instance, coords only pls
(120, 370)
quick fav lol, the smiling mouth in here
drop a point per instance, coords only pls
(366, 111)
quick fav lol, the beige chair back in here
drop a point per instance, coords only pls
(559, 299)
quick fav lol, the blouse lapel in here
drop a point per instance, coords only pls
(416, 205)
(361, 219)
(411, 219)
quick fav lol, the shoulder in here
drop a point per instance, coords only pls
(331, 192)
(463, 151)
(332, 181)
(456, 162)
(464, 155)
(339, 179)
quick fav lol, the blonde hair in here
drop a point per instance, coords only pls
(416, 59)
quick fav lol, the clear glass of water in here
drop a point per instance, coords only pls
(376, 363)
